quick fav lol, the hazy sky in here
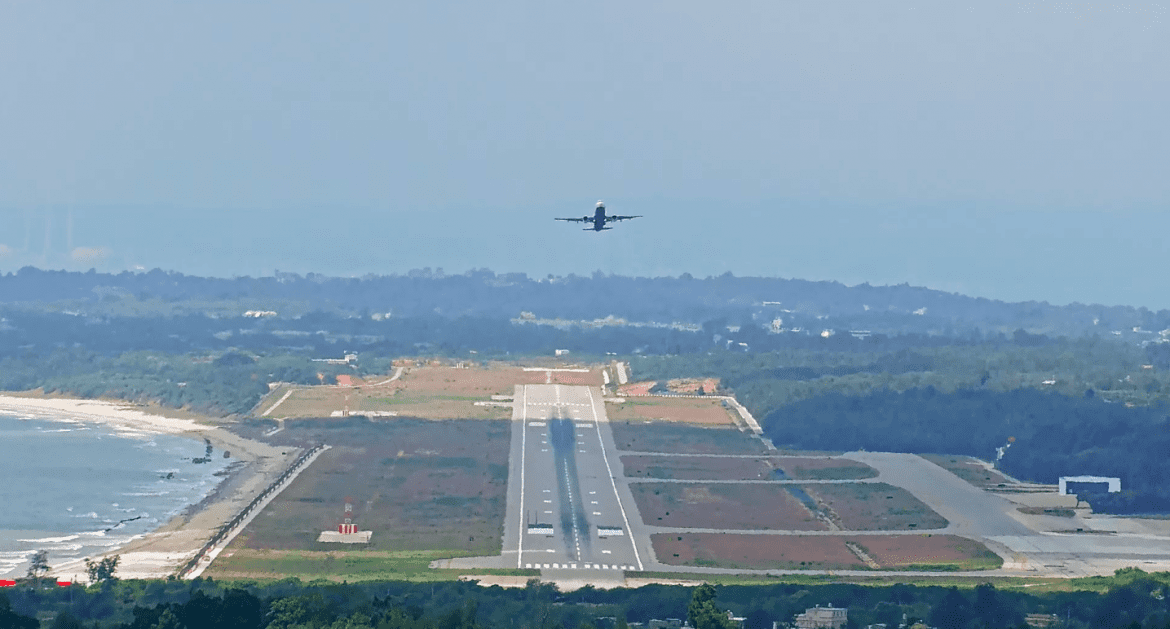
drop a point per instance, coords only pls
(1015, 150)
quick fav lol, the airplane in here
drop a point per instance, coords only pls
(599, 219)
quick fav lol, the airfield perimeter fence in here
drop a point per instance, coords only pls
(256, 503)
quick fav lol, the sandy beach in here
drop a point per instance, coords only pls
(161, 552)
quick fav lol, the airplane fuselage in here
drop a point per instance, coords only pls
(599, 218)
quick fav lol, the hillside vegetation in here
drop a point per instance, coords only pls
(1080, 389)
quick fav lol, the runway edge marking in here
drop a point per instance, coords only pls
(612, 481)
(523, 450)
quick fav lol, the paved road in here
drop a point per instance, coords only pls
(995, 520)
(971, 511)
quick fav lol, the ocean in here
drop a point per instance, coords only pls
(78, 488)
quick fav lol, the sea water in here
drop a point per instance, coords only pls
(78, 489)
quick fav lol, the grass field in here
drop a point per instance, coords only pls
(698, 468)
(722, 506)
(874, 507)
(744, 468)
(646, 436)
(419, 485)
(364, 565)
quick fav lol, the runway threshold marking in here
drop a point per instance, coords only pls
(573, 566)
(612, 480)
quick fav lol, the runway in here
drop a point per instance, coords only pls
(567, 513)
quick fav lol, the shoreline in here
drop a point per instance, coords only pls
(162, 551)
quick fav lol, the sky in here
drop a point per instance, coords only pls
(1012, 150)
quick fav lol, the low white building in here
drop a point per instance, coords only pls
(823, 618)
(1114, 483)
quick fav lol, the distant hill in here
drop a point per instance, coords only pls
(771, 305)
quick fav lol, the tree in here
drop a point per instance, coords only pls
(758, 619)
(994, 609)
(702, 610)
(9, 618)
(952, 612)
(168, 620)
(38, 566)
(293, 611)
(66, 620)
(102, 570)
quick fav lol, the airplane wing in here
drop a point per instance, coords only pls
(620, 218)
(587, 219)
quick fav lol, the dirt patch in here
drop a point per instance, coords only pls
(418, 485)
(693, 386)
(684, 410)
(593, 378)
(472, 381)
(755, 552)
(427, 392)
(637, 388)
(644, 436)
(822, 552)
(722, 506)
(909, 551)
(874, 507)
(969, 469)
(823, 468)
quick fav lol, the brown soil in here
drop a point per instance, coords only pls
(636, 388)
(593, 378)
(722, 506)
(472, 381)
(824, 552)
(895, 551)
(428, 392)
(757, 552)
(875, 507)
(824, 468)
(694, 385)
(666, 409)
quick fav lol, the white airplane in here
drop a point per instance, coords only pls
(599, 219)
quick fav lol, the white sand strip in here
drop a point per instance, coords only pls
(119, 415)
(161, 552)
